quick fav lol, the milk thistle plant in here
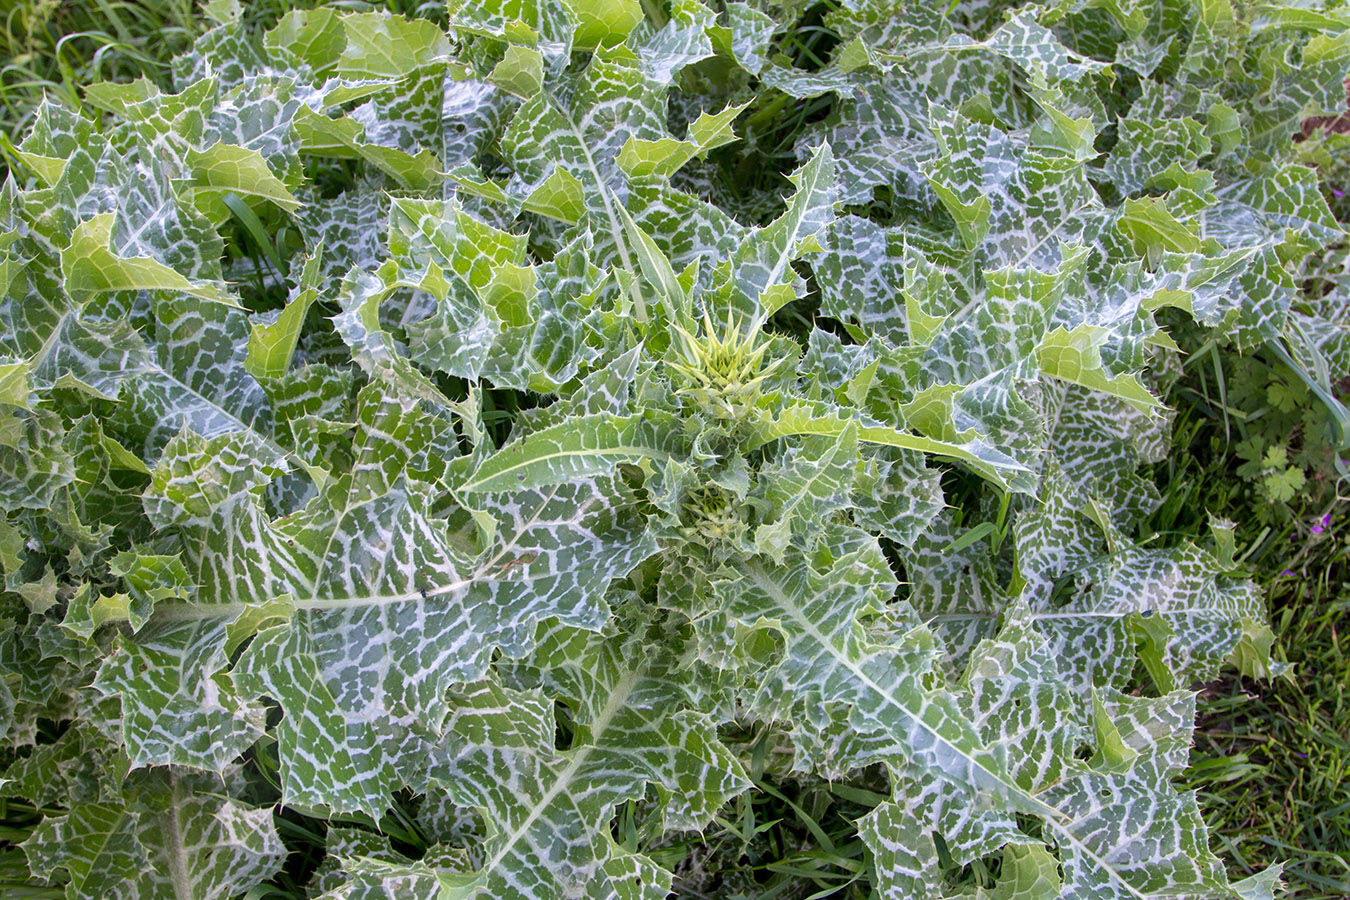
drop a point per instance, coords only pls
(833, 480)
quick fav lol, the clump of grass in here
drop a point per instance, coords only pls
(1276, 757)
(1272, 757)
(53, 48)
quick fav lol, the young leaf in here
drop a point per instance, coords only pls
(90, 266)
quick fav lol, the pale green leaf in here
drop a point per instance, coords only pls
(90, 266)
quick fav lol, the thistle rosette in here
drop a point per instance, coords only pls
(462, 502)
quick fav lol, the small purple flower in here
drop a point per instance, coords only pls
(1338, 193)
(1289, 572)
(1323, 525)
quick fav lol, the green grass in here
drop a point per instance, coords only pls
(51, 48)
(1272, 757)
(1275, 758)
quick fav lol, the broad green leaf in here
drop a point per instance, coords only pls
(520, 72)
(1154, 843)
(239, 170)
(634, 728)
(35, 464)
(86, 612)
(90, 266)
(1154, 230)
(681, 42)
(859, 276)
(957, 176)
(581, 447)
(14, 384)
(553, 552)
(373, 348)
(895, 494)
(1165, 850)
(178, 704)
(316, 37)
(94, 843)
(655, 266)
(762, 263)
(639, 158)
(746, 36)
(803, 488)
(383, 46)
(171, 838)
(804, 419)
(345, 138)
(828, 659)
(1074, 356)
(602, 23)
(271, 346)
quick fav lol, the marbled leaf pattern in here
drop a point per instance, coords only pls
(533, 457)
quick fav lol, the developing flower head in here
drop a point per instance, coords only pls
(711, 518)
(725, 371)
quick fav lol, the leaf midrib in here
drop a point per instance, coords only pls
(617, 699)
(756, 570)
